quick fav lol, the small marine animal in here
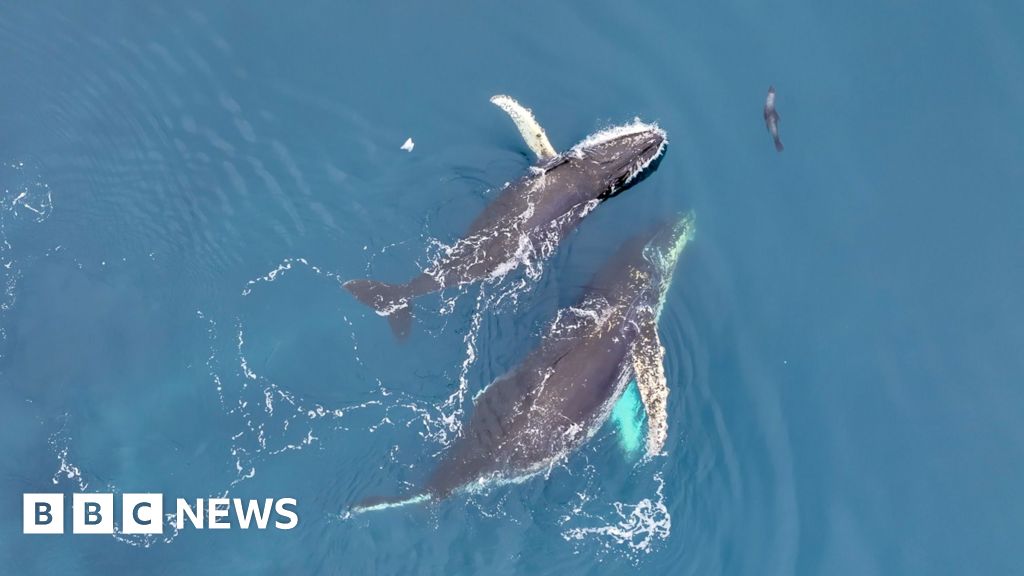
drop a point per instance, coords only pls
(771, 118)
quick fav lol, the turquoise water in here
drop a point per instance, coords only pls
(184, 187)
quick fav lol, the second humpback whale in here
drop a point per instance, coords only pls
(564, 390)
(530, 216)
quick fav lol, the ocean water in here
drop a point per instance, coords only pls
(185, 185)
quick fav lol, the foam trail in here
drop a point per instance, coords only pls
(356, 510)
(638, 526)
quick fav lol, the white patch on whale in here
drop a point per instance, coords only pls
(529, 128)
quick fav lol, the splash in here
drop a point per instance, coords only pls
(601, 136)
(500, 291)
(614, 132)
(60, 443)
(282, 268)
(272, 419)
(26, 199)
(638, 527)
(70, 473)
(418, 499)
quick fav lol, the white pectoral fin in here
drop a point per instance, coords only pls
(648, 364)
(528, 127)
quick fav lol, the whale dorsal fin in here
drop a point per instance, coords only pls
(528, 127)
(647, 355)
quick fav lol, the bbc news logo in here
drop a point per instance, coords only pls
(144, 513)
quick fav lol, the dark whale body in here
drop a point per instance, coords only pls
(528, 218)
(563, 390)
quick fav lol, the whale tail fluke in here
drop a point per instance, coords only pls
(383, 503)
(390, 300)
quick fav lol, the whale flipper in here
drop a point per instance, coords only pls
(530, 130)
(647, 355)
(390, 300)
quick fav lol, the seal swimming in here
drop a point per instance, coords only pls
(529, 217)
(771, 119)
(564, 390)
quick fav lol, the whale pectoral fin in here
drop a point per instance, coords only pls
(648, 356)
(530, 130)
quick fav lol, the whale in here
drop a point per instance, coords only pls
(565, 389)
(529, 217)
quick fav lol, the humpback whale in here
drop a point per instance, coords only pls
(564, 390)
(529, 217)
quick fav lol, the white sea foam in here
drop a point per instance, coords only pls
(60, 442)
(26, 200)
(612, 132)
(638, 527)
(419, 498)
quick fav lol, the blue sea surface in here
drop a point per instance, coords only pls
(185, 186)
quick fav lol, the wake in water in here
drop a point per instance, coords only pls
(637, 527)
(271, 419)
(442, 422)
(528, 218)
(26, 200)
(489, 254)
(531, 418)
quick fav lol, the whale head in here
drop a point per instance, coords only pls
(621, 156)
(636, 278)
(662, 252)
